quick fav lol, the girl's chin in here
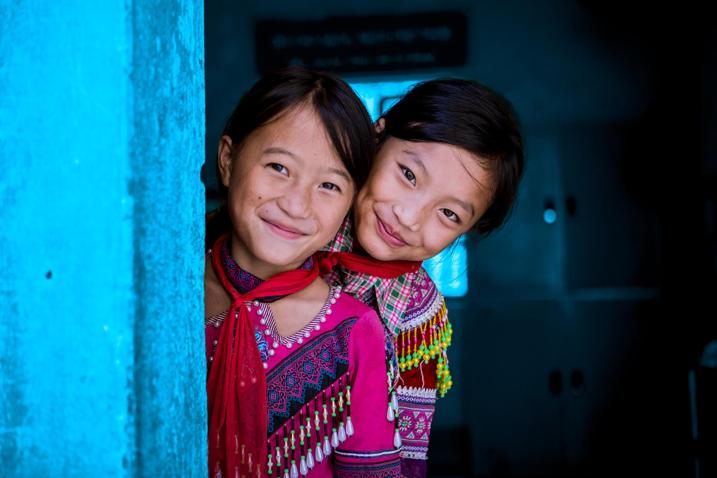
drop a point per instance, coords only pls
(385, 253)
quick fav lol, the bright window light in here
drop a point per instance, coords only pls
(449, 269)
(380, 96)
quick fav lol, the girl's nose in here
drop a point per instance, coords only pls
(408, 214)
(296, 202)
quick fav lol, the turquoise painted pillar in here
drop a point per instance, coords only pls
(101, 233)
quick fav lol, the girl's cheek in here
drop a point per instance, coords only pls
(436, 236)
(386, 188)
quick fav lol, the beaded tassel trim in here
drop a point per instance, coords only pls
(392, 410)
(313, 433)
(428, 341)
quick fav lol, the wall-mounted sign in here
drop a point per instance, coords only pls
(364, 44)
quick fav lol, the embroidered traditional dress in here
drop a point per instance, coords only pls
(327, 390)
(414, 311)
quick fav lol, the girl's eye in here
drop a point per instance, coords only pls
(279, 168)
(408, 174)
(452, 216)
(330, 186)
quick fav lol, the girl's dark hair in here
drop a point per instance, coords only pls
(466, 114)
(341, 112)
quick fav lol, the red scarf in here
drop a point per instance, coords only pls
(236, 387)
(369, 265)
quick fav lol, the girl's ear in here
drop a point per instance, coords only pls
(225, 159)
(380, 125)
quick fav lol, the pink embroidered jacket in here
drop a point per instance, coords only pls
(327, 389)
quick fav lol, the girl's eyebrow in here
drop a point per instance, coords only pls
(467, 206)
(417, 159)
(341, 173)
(277, 150)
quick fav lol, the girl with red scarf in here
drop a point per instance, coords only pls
(449, 159)
(298, 383)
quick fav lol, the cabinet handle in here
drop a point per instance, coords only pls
(555, 382)
(571, 206)
(577, 382)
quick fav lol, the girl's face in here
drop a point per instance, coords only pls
(419, 197)
(288, 192)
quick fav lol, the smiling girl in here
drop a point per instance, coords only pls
(295, 386)
(450, 158)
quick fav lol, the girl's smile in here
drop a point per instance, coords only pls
(387, 234)
(283, 230)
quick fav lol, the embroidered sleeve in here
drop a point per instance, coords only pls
(416, 395)
(424, 374)
(416, 409)
(370, 451)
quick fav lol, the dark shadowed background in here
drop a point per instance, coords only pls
(578, 346)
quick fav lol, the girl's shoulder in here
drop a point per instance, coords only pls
(366, 320)
(424, 301)
(421, 279)
(349, 306)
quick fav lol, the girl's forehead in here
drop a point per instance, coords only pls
(297, 137)
(298, 128)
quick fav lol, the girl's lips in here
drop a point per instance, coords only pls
(283, 231)
(387, 236)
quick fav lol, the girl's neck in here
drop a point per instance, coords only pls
(295, 311)
(259, 268)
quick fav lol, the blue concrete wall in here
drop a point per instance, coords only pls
(101, 141)
(167, 154)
